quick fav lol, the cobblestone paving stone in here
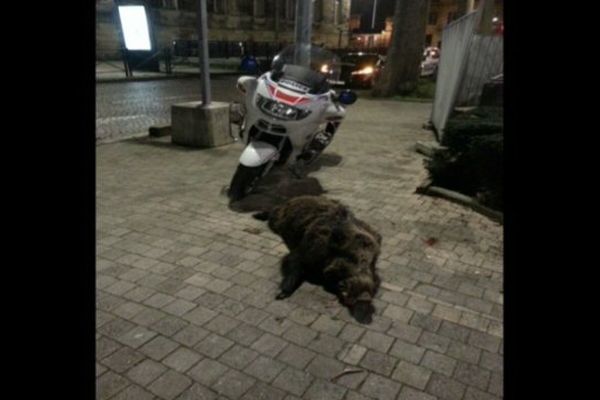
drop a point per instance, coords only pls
(186, 286)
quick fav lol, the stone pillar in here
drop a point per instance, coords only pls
(196, 126)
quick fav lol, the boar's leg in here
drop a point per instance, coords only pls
(293, 275)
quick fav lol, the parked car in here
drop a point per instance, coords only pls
(430, 62)
(360, 69)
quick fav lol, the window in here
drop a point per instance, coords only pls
(433, 17)
(168, 4)
(291, 10)
(270, 7)
(282, 10)
(212, 6)
(318, 11)
(187, 5)
(219, 7)
(246, 7)
(155, 3)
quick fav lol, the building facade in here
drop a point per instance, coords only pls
(441, 13)
(228, 20)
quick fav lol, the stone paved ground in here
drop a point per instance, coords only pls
(125, 109)
(186, 286)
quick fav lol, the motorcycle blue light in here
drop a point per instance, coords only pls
(347, 97)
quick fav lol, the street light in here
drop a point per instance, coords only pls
(374, 13)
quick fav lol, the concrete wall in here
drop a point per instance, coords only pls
(172, 24)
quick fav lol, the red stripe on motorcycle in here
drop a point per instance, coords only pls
(286, 98)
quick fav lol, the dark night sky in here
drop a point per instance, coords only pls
(385, 8)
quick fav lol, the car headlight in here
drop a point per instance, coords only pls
(279, 110)
(364, 71)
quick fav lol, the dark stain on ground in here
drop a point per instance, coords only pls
(254, 231)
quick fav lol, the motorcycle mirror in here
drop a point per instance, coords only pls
(347, 97)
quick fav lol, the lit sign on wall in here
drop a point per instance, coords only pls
(135, 27)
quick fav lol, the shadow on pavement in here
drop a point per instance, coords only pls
(280, 185)
(164, 142)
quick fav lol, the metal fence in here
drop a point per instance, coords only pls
(485, 60)
(468, 60)
(455, 45)
(227, 49)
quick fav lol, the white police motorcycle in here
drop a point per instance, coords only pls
(290, 114)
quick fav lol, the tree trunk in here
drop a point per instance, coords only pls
(487, 13)
(402, 68)
(462, 7)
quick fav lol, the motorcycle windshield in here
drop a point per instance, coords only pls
(312, 67)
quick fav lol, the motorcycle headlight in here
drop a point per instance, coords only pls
(279, 110)
(364, 71)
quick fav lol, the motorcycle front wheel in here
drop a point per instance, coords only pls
(244, 180)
